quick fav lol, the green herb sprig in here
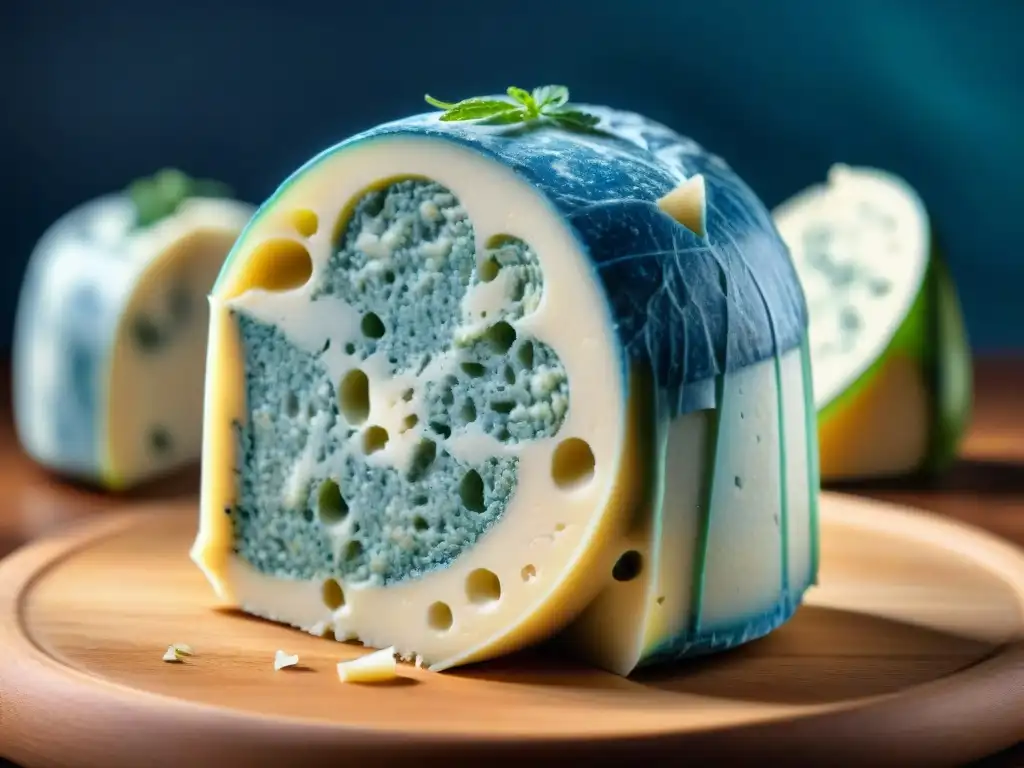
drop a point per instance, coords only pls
(160, 195)
(547, 103)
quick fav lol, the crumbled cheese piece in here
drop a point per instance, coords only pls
(375, 667)
(175, 651)
(282, 660)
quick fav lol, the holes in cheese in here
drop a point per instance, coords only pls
(110, 334)
(374, 439)
(330, 503)
(372, 326)
(305, 222)
(891, 360)
(523, 337)
(572, 463)
(277, 265)
(333, 594)
(483, 587)
(439, 616)
(354, 396)
(628, 566)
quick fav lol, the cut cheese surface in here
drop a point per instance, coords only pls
(463, 382)
(110, 338)
(892, 374)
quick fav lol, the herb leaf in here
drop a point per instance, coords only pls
(438, 103)
(511, 117)
(159, 196)
(546, 103)
(551, 95)
(475, 109)
(523, 97)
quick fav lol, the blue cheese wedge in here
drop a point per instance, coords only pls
(110, 333)
(892, 361)
(470, 386)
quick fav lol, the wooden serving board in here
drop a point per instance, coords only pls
(911, 652)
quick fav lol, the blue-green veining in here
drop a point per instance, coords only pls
(383, 524)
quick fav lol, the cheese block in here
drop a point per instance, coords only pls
(110, 332)
(892, 364)
(471, 386)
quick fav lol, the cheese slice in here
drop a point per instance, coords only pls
(459, 385)
(727, 541)
(110, 338)
(891, 357)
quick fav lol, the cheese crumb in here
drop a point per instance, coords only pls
(282, 660)
(176, 651)
(319, 629)
(376, 667)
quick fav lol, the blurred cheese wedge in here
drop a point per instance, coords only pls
(110, 336)
(889, 351)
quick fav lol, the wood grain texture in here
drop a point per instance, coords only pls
(910, 652)
(986, 489)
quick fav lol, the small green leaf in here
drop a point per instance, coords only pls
(573, 118)
(160, 195)
(475, 109)
(150, 201)
(143, 196)
(551, 101)
(523, 97)
(550, 96)
(508, 118)
(438, 103)
(172, 184)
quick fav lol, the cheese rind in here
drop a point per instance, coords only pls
(109, 340)
(331, 365)
(892, 359)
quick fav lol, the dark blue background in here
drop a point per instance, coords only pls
(97, 92)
